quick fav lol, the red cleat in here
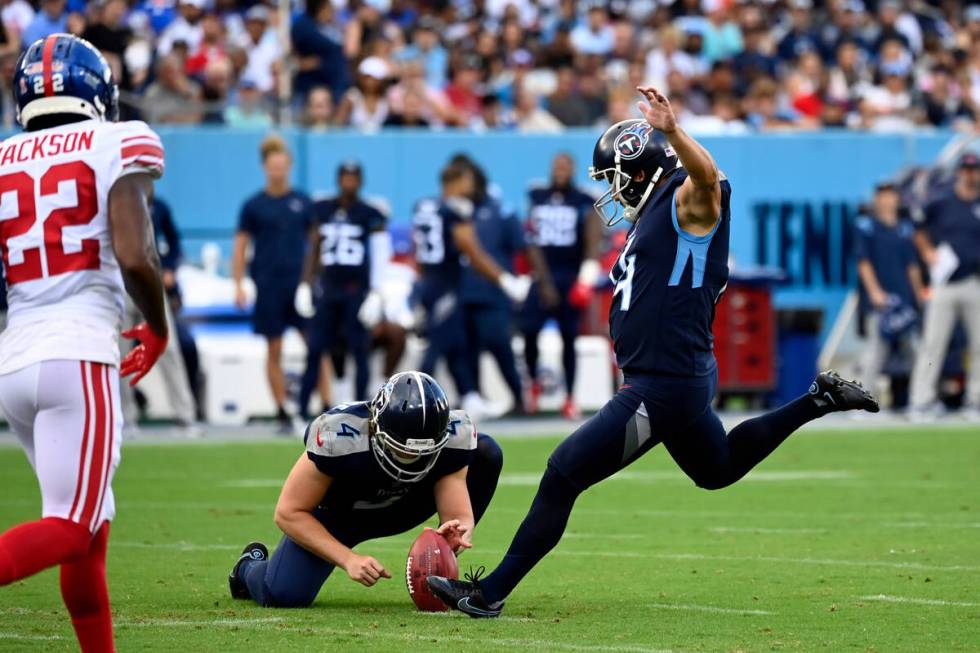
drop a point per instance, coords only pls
(533, 397)
(570, 411)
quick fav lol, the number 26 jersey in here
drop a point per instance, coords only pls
(64, 287)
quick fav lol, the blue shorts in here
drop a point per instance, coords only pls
(275, 309)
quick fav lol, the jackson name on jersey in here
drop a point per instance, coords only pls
(64, 287)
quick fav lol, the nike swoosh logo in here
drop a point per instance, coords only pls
(319, 440)
(464, 606)
(830, 398)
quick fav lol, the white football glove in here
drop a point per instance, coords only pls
(372, 310)
(303, 300)
(515, 287)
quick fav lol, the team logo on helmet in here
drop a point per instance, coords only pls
(630, 142)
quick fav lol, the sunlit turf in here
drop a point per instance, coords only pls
(841, 541)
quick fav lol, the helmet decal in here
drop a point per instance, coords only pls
(630, 142)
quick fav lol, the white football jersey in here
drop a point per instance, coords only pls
(64, 287)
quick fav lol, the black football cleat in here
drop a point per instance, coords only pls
(831, 392)
(465, 595)
(252, 551)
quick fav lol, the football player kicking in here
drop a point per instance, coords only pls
(371, 469)
(671, 273)
(75, 235)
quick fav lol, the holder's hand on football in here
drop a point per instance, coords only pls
(365, 570)
(657, 109)
(459, 536)
(142, 358)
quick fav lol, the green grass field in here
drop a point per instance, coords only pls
(866, 541)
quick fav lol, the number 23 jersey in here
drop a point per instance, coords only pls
(64, 287)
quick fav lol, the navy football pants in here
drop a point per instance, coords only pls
(446, 335)
(568, 318)
(292, 577)
(488, 328)
(336, 322)
(645, 412)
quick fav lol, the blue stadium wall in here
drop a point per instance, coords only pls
(794, 195)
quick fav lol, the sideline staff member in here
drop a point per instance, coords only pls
(276, 221)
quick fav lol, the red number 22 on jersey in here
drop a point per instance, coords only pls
(82, 213)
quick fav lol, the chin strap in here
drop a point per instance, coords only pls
(632, 213)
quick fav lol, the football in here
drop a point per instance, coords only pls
(430, 555)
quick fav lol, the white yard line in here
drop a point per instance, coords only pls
(925, 524)
(27, 637)
(194, 623)
(708, 608)
(885, 598)
(766, 531)
(177, 546)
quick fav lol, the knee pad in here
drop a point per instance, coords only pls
(489, 452)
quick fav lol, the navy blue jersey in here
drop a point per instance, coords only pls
(502, 236)
(339, 445)
(279, 227)
(667, 284)
(556, 224)
(890, 252)
(948, 219)
(344, 249)
(438, 258)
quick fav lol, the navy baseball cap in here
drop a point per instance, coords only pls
(969, 160)
(349, 167)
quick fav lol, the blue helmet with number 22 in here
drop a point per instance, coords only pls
(64, 75)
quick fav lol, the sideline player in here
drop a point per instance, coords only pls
(671, 273)
(565, 229)
(75, 189)
(445, 242)
(351, 248)
(371, 469)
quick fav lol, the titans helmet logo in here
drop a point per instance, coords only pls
(630, 142)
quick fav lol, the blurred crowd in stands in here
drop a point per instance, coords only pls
(728, 66)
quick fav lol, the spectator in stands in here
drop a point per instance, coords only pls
(890, 282)
(364, 105)
(212, 47)
(16, 16)
(566, 104)
(249, 110)
(261, 46)
(215, 91)
(173, 97)
(275, 223)
(464, 92)
(319, 108)
(186, 28)
(888, 105)
(52, 18)
(316, 43)
(948, 240)
(944, 104)
(722, 36)
(668, 56)
(595, 35)
(108, 31)
(530, 116)
(426, 48)
(412, 113)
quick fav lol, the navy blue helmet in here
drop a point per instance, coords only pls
(63, 74)
(631, 156)
(411, 421)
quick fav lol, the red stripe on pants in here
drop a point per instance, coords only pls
(85, 439)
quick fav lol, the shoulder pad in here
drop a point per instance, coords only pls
(462, 431)
(140, 149)
(340, 432)
(460, 206)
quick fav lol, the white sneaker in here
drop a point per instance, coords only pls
(970, 414)
(479, 408)
(925, 414)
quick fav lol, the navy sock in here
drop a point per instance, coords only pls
(754, 439)
(539, 533)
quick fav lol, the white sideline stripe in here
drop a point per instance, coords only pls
(490, 643)
(532, 479)
(37, 638)
(708, 608)
(765, 531)
(885, 598)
